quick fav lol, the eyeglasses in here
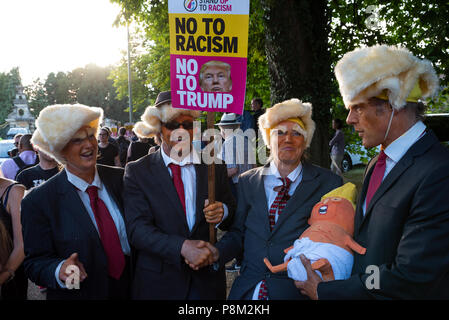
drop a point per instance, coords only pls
(173, 125)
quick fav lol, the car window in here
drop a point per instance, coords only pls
(439, 123)
(4, 148)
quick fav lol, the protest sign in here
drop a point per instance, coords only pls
(208, 54)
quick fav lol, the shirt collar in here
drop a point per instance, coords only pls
(396, 150)
(82, 185)
(292, 175)
(189, 159)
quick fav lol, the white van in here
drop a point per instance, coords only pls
(13, 131)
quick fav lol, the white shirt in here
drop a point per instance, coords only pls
(188, 176)
(270, 181)
(396, 150)
(113, 209)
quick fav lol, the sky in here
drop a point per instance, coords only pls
(43, 36)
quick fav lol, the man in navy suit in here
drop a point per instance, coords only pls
(166, 212)
(402, 216)
(274, 204)
(74, 233)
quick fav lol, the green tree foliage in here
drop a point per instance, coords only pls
(8, 83)
(142, 92)
(37, 96)
(89, 85)
(419, 26)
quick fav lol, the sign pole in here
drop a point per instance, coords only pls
(211, 177)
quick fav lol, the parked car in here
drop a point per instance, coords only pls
(5, 146)
(13, 131)
(352, 159)
(438, 122)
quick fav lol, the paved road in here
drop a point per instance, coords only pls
(34, 293)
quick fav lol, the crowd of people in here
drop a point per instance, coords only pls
(87, 216)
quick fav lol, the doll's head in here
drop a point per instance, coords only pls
(337, 207)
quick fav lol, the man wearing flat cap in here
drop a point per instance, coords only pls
(274, 204)
(402, 215)
(73, 226)
(167, 214)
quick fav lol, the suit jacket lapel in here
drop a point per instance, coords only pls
(74, 206)
(105, 179)
(201, 193)
(262, 206)
(359, 210)
(303, 192)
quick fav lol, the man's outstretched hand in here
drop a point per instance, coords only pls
(309, 287)
(198, 253)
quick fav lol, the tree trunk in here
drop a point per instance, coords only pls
(299, 62)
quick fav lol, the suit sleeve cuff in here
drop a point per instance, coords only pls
(58, 269)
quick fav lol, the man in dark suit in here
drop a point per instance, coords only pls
(74, 233)
(166, 214)
(402, 216)
(274, 204)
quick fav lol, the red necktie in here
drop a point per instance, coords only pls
(177, 181)
(279, 203)
(277, 206)
(376, 177)
(108, 234)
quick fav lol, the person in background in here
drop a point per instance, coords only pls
(402, 216)
(5, 247)
(38, 174)
(337, 145)
(13, 281)
(27, 156)
(123, 145)
(247, 121)
(107, 152)
(15, 151)
(138, 149)
(75, 219)
(257, 108)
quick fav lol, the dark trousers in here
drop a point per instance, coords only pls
(17, 288)
(121, 289)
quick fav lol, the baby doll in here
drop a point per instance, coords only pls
(328, 242)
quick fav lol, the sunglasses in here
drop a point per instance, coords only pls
(173, 125)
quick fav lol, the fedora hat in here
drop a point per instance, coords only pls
(161, 112)
(228, 119)
(162, 97)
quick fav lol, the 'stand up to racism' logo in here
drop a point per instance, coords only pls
(190, 5)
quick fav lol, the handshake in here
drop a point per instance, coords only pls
(198, 253)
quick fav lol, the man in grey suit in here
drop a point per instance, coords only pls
(402, 216)
(166, 214)
(274, 204)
